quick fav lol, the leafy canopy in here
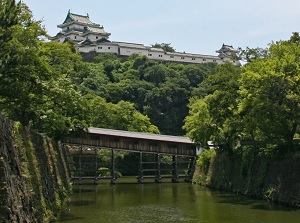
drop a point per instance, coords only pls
(258, 102)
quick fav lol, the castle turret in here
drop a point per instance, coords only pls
(78, 28)
(226, 51)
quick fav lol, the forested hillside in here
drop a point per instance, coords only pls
(160, 91)
(47, 86)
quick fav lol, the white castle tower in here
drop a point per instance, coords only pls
(78, 28)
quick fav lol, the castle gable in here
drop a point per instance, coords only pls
(71, 17)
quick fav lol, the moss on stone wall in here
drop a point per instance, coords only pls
(33, 180)
(255, 173)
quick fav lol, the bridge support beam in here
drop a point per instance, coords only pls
(96, 166)
(175, 178)
(80, 164)
(158, 175)
(113, 170)
(141, 174)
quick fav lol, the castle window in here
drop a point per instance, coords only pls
(182, 58)
(109, 48)
(204, 59)
(75, 37)
(99, 47)
(214, 60)
(96, 37)
(149, 54)
(193, 58)
(159, 55)
(171, 56)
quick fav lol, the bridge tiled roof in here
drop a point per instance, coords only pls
(140, 135)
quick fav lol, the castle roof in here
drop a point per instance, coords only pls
(95, 29)
(227, 48)
(83, 25)
(103, 40)
(71, 17)
(87, 41)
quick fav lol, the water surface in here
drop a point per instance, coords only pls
(168, 202)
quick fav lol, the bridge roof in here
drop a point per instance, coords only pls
(140, 135)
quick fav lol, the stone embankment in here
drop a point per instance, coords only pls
(33, 180)
(255, 174)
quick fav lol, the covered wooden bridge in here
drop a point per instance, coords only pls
(84, 157)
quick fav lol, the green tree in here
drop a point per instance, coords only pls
(259, 102)
(270, 93)
(156, 74)
(251, 54)
(91, 79)
(9, 15)
(295, 38)
(122, 116)
(62, 104)
(165, 46)
(166, 105)
(22, 71)
(199, 124)
(216, 110)
(35, 84)
(197, 73)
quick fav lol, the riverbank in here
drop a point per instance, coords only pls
(258, 174)
(33, 181)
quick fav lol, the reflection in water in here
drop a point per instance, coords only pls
(168, 202)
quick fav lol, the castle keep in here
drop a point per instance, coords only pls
(91, 37)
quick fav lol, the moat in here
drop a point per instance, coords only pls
(130, 202)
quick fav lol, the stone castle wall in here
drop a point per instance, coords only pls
(33, 180)
(260, 176)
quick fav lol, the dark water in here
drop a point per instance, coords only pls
(168, 202)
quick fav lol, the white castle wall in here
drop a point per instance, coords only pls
(127, 49)
(151, 53)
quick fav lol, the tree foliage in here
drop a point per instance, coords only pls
(122, 116)
(215, 110)
(41, 83)
(251, 54)
(22, 71)
(45, 85)
(165, 46)
(258, 102)
(270, 93)
(159, 91)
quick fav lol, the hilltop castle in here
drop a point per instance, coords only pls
(91, 37)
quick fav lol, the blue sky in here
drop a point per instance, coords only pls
(193, 26)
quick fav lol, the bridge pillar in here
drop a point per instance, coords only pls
(175, 178)
(113, 171)
(158, 176)
(80, 164)
(141, 177)
(96, 166)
